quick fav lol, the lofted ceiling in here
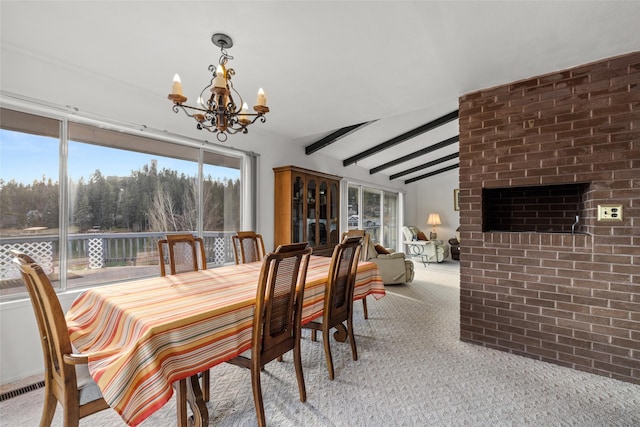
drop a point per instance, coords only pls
(395, 67)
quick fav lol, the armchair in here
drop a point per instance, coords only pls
(428, 250)
(394, 267)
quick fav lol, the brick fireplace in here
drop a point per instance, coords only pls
(551, 290)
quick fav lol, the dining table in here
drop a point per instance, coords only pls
(144, 337)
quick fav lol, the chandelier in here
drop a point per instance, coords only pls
(218, 111)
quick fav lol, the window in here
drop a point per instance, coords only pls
(29, 195)
(222, 208)
(122, 193)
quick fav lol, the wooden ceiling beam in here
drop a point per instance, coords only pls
(333, 137)
(436, 172)
(415, 154)
(426, 165)
(401, 138)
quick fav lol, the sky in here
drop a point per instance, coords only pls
(25, 158)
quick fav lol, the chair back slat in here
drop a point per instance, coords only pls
(248, 246)
(338, 304)
(277, 318)
(338, 299)
(365, 241)
(184, 253)
(279, 300)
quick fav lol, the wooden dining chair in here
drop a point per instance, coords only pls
(183, 252)
(248, 247)
(66, 376)
(363, 257)
(277, 317)
(338, 299)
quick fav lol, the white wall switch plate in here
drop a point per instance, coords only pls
(609, 212)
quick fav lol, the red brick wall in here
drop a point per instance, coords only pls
(573, 300)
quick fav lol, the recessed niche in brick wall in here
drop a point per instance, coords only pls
(541, 209)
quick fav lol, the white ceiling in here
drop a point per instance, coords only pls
(324, 65)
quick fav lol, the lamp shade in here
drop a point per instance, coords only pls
(434, 219)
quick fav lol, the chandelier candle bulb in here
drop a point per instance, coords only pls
(220, 81)
(243, 118)
(262, 99)
(176, 87)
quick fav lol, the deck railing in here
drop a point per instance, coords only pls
(109, 252)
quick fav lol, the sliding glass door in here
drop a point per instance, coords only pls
(376, 211)
(372, 213)
(390, 219)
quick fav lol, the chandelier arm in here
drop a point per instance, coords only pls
(244, 127)
(184, 108)
(233, 131)
(202, 98)
(204, 126)
(260, 116)
(231, 105)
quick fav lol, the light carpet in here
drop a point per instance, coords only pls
(412, 371)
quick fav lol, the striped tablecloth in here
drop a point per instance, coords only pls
(146, 334)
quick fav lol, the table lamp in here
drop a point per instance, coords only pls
(434, 219)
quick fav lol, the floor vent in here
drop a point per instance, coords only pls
(21, 390)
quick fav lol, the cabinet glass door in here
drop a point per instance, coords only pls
(323, 214)
(297, 216)
(312, 226)
(334, 233)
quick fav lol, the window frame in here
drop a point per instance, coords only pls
(70, 117)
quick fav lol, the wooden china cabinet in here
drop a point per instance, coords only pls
(307, 205)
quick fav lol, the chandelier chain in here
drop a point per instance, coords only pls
(224, 56)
